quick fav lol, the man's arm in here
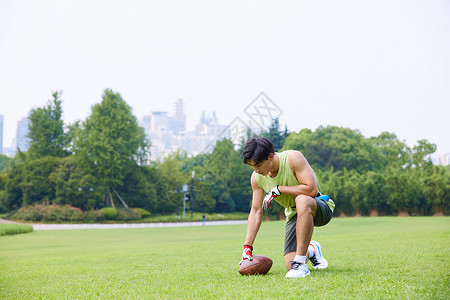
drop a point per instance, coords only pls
(256, 212)
(304, 174)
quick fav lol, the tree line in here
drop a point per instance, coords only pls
(102, 161)
(376, 175)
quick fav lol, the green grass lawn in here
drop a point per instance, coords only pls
(383, 257)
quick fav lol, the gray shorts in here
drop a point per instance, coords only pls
(322, 217)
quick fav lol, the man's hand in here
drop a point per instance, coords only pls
(272, 194)
(247, 254)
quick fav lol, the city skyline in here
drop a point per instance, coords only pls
(168, 132)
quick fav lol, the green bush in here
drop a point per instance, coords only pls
(10, 229)
(127, 214)
(29, 213)
(110, 213)
(144, 213)
(77, 216)
(94, 216)
(48, 213)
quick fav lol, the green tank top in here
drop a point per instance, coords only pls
(284, 177)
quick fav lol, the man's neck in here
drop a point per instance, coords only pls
(275, 166)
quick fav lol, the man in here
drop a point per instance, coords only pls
(287, 178)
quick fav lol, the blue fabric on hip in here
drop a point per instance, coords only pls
(324, 197)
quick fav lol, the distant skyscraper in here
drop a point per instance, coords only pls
(1, 134)
(209, 126)
(444, 159)
(159, 121)
(177, 124)
(147, 124)
(22, 134)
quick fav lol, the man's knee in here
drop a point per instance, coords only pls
(305, 204)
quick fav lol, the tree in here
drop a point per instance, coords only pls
(437, 188)
(274, 134)
(110, 141)
(374, 190)
(140, 188)
(335, 147)
(204, 200)
(331, 183)
(60, 178)
(421, 153)
(74, 186)
(187, 164)
(171, 183)
(46, 130)
(13, 191)
(2, 192)
(35, 184)
(4, 162)
(353, 186)
(401, 188)
(392, 150)
(229, 178)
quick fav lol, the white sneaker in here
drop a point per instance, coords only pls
(297, 270)
(317, 259)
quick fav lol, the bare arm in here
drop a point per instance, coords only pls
(304, 174)
(256, 212)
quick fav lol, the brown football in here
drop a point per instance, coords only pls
(259, 265)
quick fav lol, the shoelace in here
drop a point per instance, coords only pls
(295, 265)
(314, 261)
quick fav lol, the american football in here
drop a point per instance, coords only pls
(260, 265)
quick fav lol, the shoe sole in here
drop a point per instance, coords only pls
(321, 267)
(306, 274)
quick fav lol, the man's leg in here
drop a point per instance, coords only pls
(306, 209)
(290, 241)
(288, 258)
(322, 215)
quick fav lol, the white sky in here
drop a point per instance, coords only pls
(368, 65)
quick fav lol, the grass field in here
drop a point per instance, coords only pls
(383, 257)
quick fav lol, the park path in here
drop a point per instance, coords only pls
(132, 225)
(4, 221)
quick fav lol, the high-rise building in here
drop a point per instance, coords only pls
(22, 139)
(147, 124)
(1, 134)
(177, 124)
(444, 159)
(168, 134)
(209, 126)
(159, 121)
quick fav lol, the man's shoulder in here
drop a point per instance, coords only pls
(286, 153)
(295, 159)
(289, 152)
(293, 154)
(255, 181)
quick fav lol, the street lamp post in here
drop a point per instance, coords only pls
(192, 194)
(185, 190)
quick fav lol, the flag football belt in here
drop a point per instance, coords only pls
(320, 196)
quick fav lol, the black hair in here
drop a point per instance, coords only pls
(257, 149)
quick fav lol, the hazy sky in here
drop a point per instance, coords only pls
(368, 65)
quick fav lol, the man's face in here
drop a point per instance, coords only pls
(263, 167)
